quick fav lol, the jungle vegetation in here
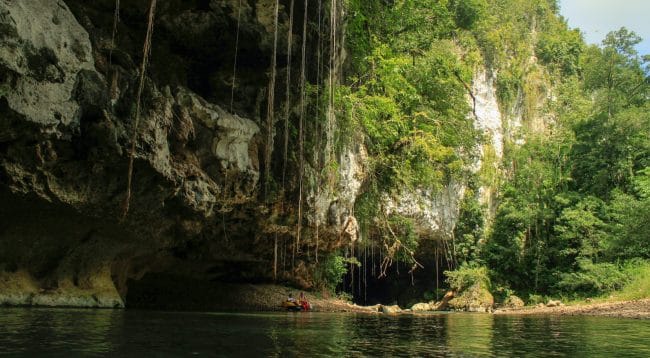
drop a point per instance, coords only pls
(571, 208)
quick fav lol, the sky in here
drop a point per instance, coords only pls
(595, 18)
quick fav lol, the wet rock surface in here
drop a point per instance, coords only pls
(625, 309)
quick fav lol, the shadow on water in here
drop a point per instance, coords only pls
(32, 331)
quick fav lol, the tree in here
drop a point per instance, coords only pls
(630, 224)
(614, 142)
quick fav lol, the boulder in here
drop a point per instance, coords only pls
(444, 304)
(391, 309)
(423, 306)
(554, 303)
(476, 298)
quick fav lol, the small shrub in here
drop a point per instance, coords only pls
(345, 296)
(593, 278)
(534, 299)
(638, 285)
(330, 272)
(466, 276)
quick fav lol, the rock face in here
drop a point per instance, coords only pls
(435, 214)
(43, 53)
(201, 205)
(488, 116)
(332, 204)
(67, 102)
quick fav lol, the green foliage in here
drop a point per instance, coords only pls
(501, 293)
(345, 296)
(623, 148)
(592, 278)
(638, 285)
(469, 12)
(404, 231)
(410, 25)
(534, 299)
(407, 96)
(561, 49)
(466, 276)
(576, 201)
(575, 196)
(366, 208)
(580, 231)
(508, 84)
(630, 216)
(330, 271)
(469, 231)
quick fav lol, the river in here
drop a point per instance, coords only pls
(73, 332)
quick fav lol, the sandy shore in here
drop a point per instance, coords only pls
(625, 309)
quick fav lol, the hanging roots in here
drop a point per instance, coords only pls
(143, 67)
(391, 252)
(301, 134)
(287, 107)
(234, 66)
(318, 126)
(270, 106)
(116, 19)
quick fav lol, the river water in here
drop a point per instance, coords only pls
(73, 332)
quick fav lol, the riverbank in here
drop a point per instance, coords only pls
(639, 309)
(268, 297)
(228, 297)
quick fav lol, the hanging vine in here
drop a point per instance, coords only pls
(114, 76)
(287, 106)
(116, 20)
(270, 105)
(318, 126)
(301, 135)
(332, 64)
(143, 68)
(234, 66)
(392, 251)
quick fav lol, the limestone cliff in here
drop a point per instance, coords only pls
(215, 187)
(68, 84)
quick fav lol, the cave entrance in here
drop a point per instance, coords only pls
(398, 286)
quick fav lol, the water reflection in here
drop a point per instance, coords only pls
(45, 330)
(107, 332)
(470, 333)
